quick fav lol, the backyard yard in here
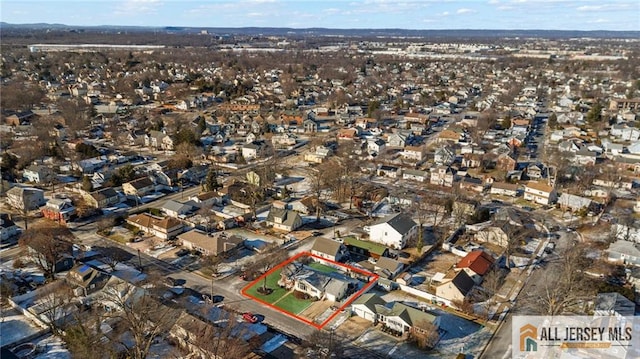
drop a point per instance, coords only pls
(322, 268)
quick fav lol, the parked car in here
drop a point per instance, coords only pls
(249, 317)
(182, 252)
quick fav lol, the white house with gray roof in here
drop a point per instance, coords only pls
(394, 230)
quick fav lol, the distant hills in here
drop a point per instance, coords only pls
(283, 31)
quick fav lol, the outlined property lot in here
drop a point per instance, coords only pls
(317, 313)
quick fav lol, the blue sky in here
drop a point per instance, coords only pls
(406, 14)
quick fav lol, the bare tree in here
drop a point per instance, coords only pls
(563, 292)
(48, 243)
(325, 344)
(136, 314)
(54, 304)
(84, 338)
(204, 340)
(115, 256)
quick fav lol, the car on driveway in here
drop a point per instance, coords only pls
(249, 317)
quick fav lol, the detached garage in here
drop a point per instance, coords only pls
(365, 306)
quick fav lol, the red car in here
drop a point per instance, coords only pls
(251, 318)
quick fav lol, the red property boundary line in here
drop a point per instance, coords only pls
(304, 320)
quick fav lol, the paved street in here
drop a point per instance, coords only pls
(500, 344)
(228, 287)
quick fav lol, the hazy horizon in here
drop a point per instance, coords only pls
(617, 15)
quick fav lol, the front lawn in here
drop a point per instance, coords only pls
(272, 283)
(292, 304)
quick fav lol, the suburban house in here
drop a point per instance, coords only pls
(624, 252)
(388, 171)
(415, 175)
(176, 209)
(366, 249)
(329, 249)
(413, 153)
(585, 157)
(441, 176)
(397, 316)
(394, 230)
(139, 187)
(284, 219)
(388, 268)
(476, 264)
(63, 259)
(444, 156)
(25, 199)
(158, 140)
(405, 319)
(628, 231)
(457, 288)
(376, 145)
(539, 192)
(330, 286)
(504, 189)
(365, 306)
(571, 202)
(86, 280)
(210, 245)
(318, 155)
(102, 198)
(164, 228)
(614, 303)
(59, 209)
(250, 151)
(306, 205)
(8, 228)
(472, 184)
(38, 174)
(396, 140)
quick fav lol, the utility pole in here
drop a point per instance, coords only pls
(139, 261)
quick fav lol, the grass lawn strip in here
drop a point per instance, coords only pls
(272, 282)
(292, 304)
(322, 268)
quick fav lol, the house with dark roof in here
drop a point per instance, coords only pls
(476, 264)
(329, 249)
(38, 174)
(59, 209)
(164, 228)
(365, 306)
(102, 198)
(86, 280)
(457, 288)
(138, 187)
(284, 219)
(614, 304)
(330, 286)
(214, 244)
(365, 248)
(8, 228)
(394, 230)
(405, 319)
(396, 315)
